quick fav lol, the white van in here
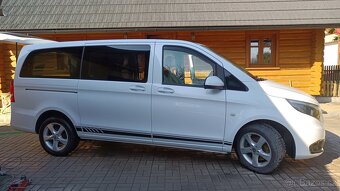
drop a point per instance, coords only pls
(160, 92)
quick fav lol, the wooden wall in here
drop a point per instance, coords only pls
(2, 67)
(7, 64)
(339, 49)
(300, 58)
(317, 62)
(299, 52)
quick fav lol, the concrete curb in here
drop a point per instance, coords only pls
(322, 99)
(331, 115)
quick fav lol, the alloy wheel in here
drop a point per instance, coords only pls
(255, 149)
(55, 136)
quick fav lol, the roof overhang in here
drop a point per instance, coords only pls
(17, 38)
(188, 28)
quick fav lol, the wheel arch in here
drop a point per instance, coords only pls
(284, 132)
(49, 113)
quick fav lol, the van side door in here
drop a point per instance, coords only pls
(115, 92)
(184, 113)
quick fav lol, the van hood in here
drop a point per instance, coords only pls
(278, 90)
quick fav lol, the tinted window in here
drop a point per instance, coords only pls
(116, 63)
(183, 66)
(233, 83)
(53, 63)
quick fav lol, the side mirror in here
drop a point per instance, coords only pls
(213, 82)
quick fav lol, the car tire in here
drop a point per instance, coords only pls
(260, 148)
(57, 136)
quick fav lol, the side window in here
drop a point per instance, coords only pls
(183, 66)
(233, 83)
(53, 63)
(116, 63)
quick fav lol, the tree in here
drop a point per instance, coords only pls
(332, 31)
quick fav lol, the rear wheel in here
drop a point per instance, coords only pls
(260, 148)
(57, 136)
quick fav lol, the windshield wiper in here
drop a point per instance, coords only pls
(259, 79)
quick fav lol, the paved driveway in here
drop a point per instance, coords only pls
(112, 166)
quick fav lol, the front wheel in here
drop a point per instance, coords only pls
(57, 136)
(260, 148)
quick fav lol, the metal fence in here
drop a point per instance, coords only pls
(331, 81)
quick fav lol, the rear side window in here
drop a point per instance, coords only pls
(116, 63)
(53, 63)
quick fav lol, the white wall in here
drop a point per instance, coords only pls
(331, 54)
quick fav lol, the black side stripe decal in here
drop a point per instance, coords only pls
(186, 139)
(147, 135)
(126, 133)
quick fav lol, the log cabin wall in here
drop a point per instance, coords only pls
(7, 64)
(317, 62)
(298, 52)
(339, 48)
(2, 67)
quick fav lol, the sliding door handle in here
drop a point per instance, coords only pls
(137, 88)
(166, 90)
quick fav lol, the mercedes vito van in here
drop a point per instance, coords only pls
(160, 92)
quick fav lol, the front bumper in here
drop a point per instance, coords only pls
(308, 132)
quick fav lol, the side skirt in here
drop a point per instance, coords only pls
(155, 139)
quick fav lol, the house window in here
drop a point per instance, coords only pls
(261, 50)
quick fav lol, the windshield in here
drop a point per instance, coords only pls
(236, 65)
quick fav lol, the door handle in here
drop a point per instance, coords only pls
(137, 88)
(166, 90)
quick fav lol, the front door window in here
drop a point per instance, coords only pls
(185, 67)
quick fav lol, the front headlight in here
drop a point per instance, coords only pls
(306, 108)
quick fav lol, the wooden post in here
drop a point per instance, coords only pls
(317, 61)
